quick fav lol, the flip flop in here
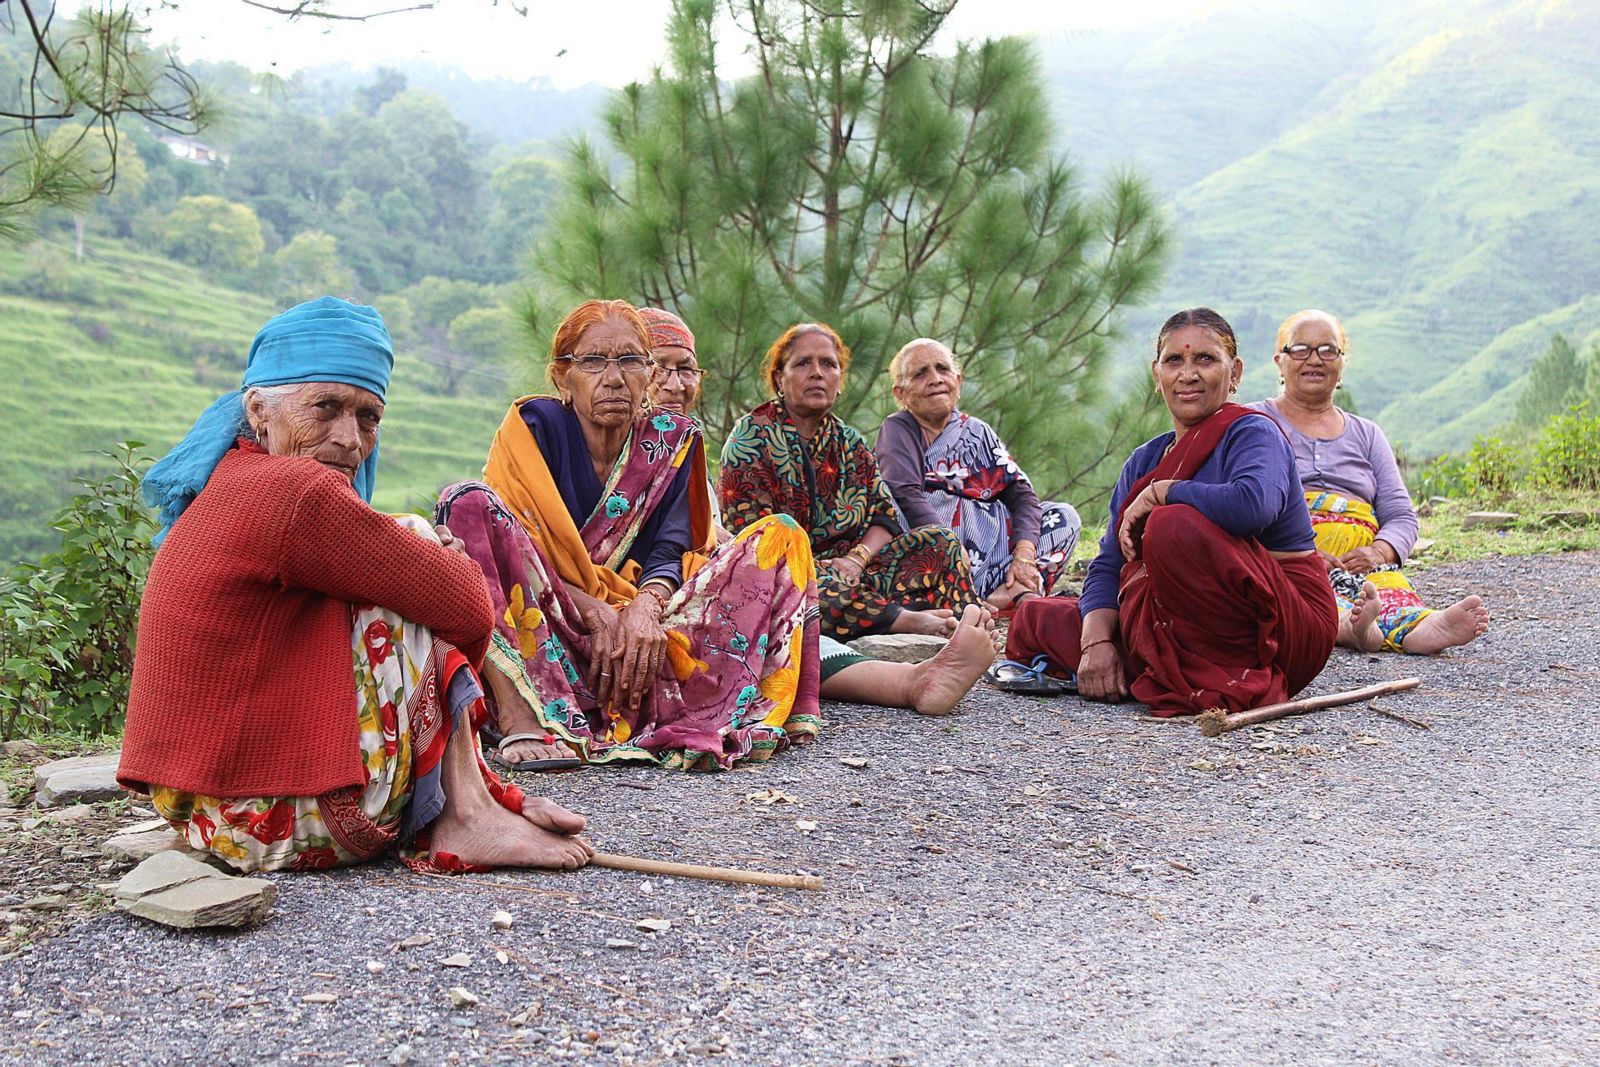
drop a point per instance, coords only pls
(1012, 676)
(548, 763)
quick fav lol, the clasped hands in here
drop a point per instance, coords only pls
(628, 647)
(1362, 560)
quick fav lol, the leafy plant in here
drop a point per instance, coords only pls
(1567, 454)
(67, 622)
(1493, 467)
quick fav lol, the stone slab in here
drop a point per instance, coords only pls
(898, 648)
(1489, 520)
(80, 779)
(214, 901)
(1568, 518)
(21, 749)
(160, 872)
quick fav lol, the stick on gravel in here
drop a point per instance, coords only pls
(695, 870)
(1216, 721)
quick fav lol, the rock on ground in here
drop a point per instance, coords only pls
(178, 890)
(1028, 882)
(898, 648)
(81, 779)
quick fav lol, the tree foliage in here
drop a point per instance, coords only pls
(91, 72)
(308, 266)
(856, 178)
(213, 234)
(1555, 382)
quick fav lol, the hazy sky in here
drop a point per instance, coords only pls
(608, 41)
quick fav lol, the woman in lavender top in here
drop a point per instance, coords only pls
(1360, 511)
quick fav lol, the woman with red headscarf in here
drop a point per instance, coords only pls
(1207, 591)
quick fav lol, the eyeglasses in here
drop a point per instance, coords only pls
(687, 375)
(629, 363)
(1325, 352)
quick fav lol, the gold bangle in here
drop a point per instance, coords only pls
(655, 590)
(860, 554)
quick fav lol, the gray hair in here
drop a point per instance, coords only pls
(897, 365)
(270, 395)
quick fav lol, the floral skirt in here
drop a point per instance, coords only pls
(1341, 524)
(740, 680)
(921, 570)
(409, 689)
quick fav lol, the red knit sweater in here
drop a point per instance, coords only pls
(243, 683)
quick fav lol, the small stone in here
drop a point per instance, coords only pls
(1421, 545)
(898, 648)
(400, 1055)
(320, 998)
(46, 902)
(654, 926)
(501, 920)
(617, 942)
(138, 847)
(460, 959)
(74, 813)
(805, 826)
(376, 967)
(501, 956)
(462, 997)
(1489, 520)
(853, 761)
(82, 779)
(416, 941)
(23, 749)
(1202, 765)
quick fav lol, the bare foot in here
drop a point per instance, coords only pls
(940, 682)
(522, 751)
(547, 814)
(940, 622)
(1461, 622)
(494, 837)
(1358, 627)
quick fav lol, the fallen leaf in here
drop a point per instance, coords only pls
(460, 959)
(416, 941)
(771, 796)
(853, 761)
(1365, 740)
(1202, 765)
(320, 998)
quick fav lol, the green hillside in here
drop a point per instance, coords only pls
(134, 346)
(1430, 172)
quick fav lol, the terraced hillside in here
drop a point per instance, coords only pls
(134, 346)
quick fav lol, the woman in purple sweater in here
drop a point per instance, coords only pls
(1362, 515)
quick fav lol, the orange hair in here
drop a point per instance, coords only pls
(1288, 325)
(772, 366)
(591, 313)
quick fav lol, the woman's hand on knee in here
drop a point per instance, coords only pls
(602, 622)
(1133, 519)
(1100, 675)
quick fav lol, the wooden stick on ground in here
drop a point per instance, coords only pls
(695, 870)
(1216, 721)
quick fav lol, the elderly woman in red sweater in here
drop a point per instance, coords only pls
(304, 681)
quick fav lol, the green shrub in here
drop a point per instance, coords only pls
(67, 622)
(1493, 467)
(1443, 475)
(1567, 455)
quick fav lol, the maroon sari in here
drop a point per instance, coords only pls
(1206, 619)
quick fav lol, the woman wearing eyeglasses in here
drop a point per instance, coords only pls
(793, 455)
(623, 631)
(1360, 510)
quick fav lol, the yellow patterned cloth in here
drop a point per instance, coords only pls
(1342, 524)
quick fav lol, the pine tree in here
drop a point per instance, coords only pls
(1555, 381)
(858, 179)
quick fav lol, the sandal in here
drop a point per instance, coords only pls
(544, 737)
(1012, 676)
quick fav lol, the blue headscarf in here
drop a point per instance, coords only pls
(322, 340)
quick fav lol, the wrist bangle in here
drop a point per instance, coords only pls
(860, 555)
(1098, 641)
(655, 590)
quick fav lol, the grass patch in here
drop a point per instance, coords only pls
(1443, 523)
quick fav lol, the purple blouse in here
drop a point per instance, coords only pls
(1247, 486)
(662, 540)
(1358, 464)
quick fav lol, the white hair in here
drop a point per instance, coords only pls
(897, 365)
(269, 395)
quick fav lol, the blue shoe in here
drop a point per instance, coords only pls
(1012, 676)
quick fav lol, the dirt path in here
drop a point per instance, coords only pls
(1029, 882)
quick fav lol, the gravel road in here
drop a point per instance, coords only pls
(1029, 882)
